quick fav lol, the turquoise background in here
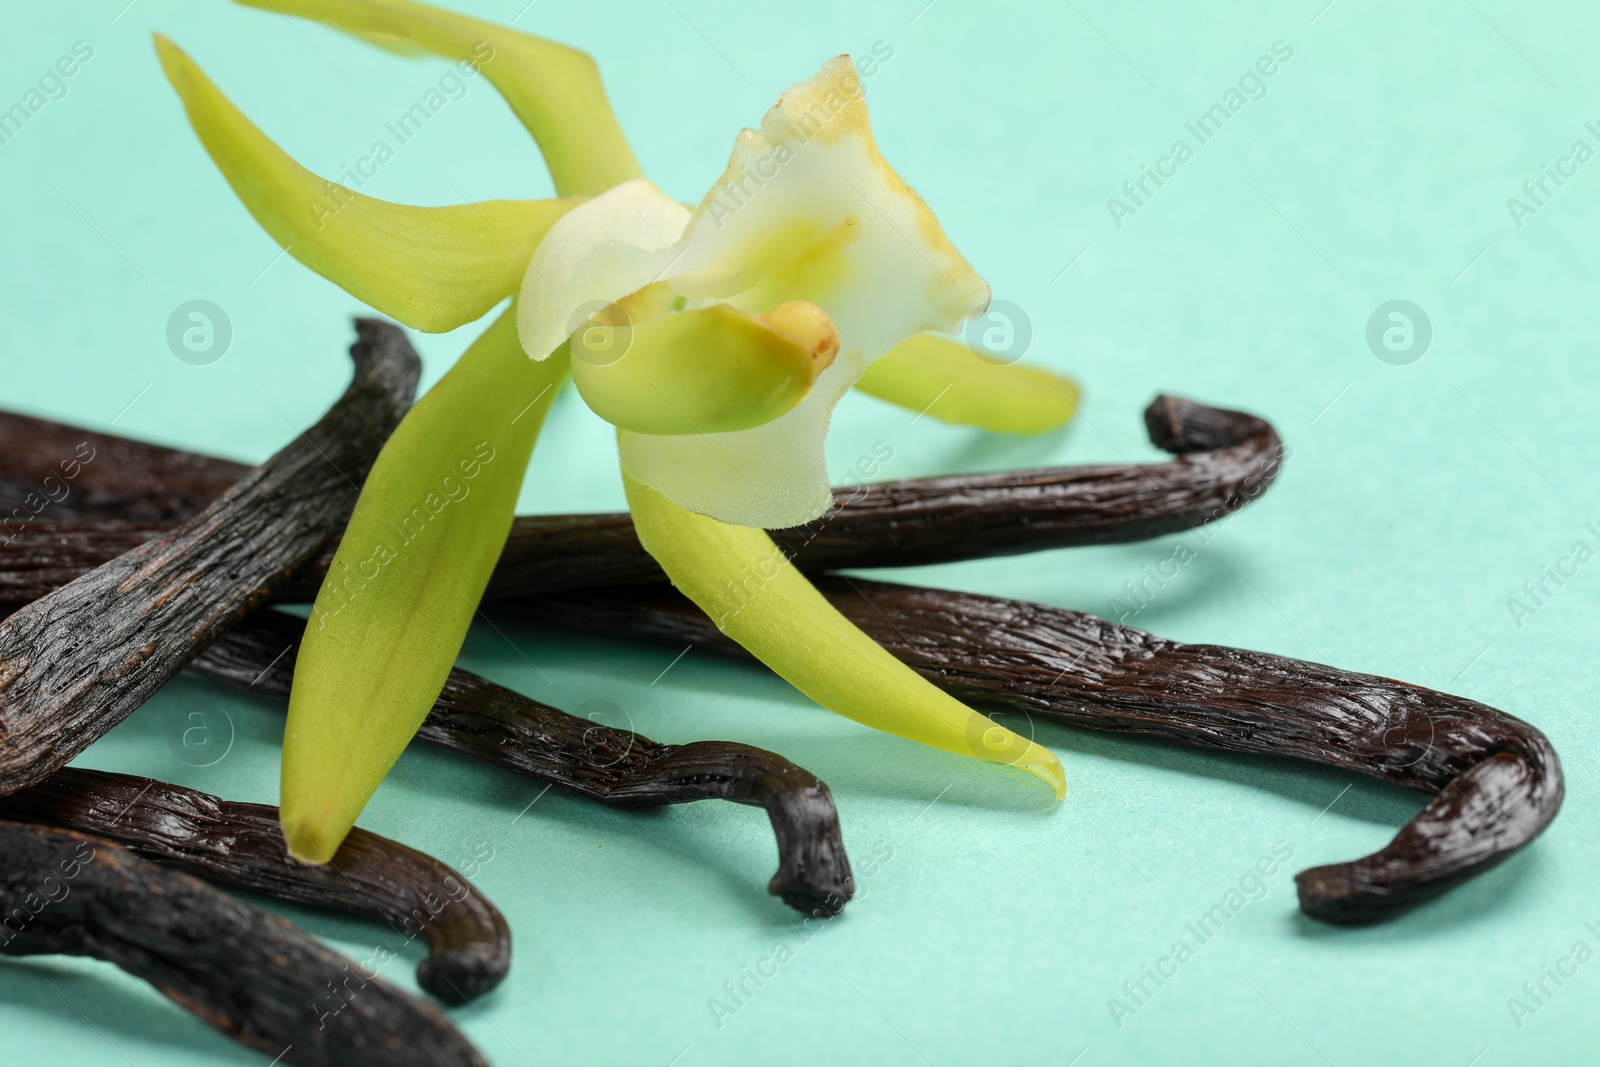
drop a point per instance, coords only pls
(1417, 501)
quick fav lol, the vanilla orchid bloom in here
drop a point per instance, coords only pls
(740, 324)
(807, 210)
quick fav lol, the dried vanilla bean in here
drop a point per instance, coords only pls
(53, 470)
(469, 944)
(1496, 780)
(1223, 460)
(78, 661)
(615, 767)
(259, 979)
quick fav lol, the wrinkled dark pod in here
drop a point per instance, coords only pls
(469, 944)
(1497, 781)
(616, 767)
(1203, 695)
(259, 979)
(1222, 461)
(79, 660)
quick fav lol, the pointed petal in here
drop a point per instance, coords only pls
(430, 268)
(405, 582)
(756, 596)
(944, 378)
(708, 370)
(555, 91)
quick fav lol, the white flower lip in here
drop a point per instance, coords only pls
(807, 210)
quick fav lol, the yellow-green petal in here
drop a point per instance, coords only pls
(708, 370)
(942, 377)
(554, 90)
(405, 582)
(432, 268)
(740, 578)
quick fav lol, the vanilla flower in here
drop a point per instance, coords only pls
(717, 340)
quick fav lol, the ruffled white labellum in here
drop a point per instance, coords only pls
(807, 210)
